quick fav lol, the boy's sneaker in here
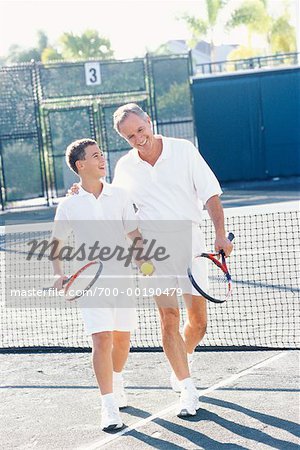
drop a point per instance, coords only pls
(110, 417)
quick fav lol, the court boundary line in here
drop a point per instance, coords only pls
(103, 441)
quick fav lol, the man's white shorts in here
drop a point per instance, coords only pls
(172, 273)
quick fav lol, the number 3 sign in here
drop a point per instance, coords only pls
(92, 73)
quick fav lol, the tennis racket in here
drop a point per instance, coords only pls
(219, 287)
(81, 281)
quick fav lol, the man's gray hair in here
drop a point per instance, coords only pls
(123, 112)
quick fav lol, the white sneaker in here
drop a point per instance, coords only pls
(188, 403)
(110, 417)
(120, 394)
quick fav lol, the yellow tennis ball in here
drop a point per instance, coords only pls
(147, 268)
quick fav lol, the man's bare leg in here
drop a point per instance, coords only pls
(196, 322)
(120, 350)
(173, 343)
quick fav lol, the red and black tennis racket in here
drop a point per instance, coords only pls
(219, 286)
(81, 281)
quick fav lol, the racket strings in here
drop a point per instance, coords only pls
(218, 285)
(81, 282)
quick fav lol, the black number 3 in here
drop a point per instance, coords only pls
(93, 77)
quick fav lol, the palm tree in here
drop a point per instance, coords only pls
(282, 35)
(205, 27)
(279, 33)
(254, 15)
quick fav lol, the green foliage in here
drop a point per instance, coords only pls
(213, 8)
(42, 39)
(17, 54)
(24, 183)
(243, 53)
(279, 33)
(88, 45)
(201, 28)
(174, 103)
(253, 14)
(50, 54)
(283, 36)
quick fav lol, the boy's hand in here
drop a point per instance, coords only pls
(74, 189)
(58, 284)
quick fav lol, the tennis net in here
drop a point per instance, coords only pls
(263, 311)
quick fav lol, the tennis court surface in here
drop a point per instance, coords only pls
(249, 398)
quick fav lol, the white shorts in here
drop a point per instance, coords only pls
(111, 308)
(172, 273)
(97, 320)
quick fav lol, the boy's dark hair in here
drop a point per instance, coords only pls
(76, 152)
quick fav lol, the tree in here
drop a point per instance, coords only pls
(201, 28)
(87, 45)
(50, 54)
(17, 54)
(241, 53)
(253, 14)
(282, 36)
(279, 33)
(42, 39)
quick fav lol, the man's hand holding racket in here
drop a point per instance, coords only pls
(223, 244)
(219, 286)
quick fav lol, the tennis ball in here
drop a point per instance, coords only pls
(147, 268)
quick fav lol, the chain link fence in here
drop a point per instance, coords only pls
(43, 107)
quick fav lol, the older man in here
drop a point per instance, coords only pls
(169, 180)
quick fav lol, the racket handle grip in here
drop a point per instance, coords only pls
(230, 236)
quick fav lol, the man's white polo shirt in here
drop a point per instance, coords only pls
(175, 188)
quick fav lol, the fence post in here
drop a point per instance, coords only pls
(191, 63)
(37, 107)
(149, 84)
(2, 201)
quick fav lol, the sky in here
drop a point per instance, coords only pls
(133, 26)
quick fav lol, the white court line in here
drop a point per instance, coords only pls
(100, 442)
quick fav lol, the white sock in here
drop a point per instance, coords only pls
(187, 383)
(107, 399)
(117, 377)
(190, 358)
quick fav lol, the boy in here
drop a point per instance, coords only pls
(108, 325)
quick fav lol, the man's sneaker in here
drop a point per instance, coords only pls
(110, 417)
(175, 385)
(119, 393)
(188, 403)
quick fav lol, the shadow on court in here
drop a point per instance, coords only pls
(51, 401)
